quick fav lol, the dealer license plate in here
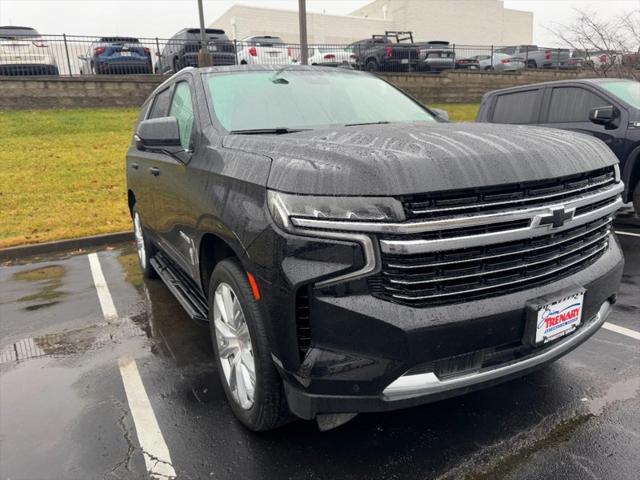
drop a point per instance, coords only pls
(404, 60)
(559, 318)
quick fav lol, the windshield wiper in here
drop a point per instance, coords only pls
(267, 131)
(384, 122)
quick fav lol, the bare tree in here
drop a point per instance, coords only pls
(608, 47)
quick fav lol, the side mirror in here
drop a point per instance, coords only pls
(158, 133)
(604, 115)
(81, 57)
(441, 114)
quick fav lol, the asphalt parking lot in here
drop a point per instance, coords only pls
(102, 375)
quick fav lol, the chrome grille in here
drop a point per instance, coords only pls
(492, 199)
(441, 277)
(487, 242)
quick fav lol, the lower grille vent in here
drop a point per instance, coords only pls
(303, 326)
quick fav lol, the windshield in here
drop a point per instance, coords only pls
(307, 99)
(627, 91)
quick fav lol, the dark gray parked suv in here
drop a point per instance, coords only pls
(182, 50)
(351, 252)
(606, 108)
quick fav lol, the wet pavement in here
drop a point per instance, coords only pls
(67, 407)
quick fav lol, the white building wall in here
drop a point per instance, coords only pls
(464, 22)
(471, 22)
(242, 21)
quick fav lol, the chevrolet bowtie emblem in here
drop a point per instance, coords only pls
(557, 217)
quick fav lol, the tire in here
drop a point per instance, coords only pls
(371, 66)
(267, 409)
(532, 64)
(144, 247)
(636, 199)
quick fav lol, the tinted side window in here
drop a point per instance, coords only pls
(572, 104)
(160, 107)
(182, 109)
(518, 107)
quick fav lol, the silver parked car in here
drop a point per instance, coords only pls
(500, 62)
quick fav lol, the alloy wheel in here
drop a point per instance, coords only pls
(137, 230)
(234, 345)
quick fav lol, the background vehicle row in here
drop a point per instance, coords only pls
(23, 51)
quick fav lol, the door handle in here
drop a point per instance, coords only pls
(155, 171)
(134, 166)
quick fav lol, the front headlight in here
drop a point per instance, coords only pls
(285, 208)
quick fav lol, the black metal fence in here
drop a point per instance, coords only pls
(83, 55)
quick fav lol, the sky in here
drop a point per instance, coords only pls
(162, 18)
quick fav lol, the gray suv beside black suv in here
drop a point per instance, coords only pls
(606, 108)
(352, 252)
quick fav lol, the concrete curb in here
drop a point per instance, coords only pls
(14, 253)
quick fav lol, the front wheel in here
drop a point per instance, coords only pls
(144, 248)
(250, 381)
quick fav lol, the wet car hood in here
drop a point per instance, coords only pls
(405, 158)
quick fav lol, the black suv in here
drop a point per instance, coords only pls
(352, 252)
(182, 50)
(608, 109)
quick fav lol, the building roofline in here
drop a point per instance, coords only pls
(276, 9)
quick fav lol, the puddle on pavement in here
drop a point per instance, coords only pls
(48, 280)
(73, 342)
(617, 392)
(128, 260)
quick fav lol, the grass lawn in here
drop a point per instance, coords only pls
(63, 173)
(459, 112)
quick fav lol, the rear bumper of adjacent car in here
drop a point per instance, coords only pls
(219, 58)
(437, 65)
(124, 65)
(369, 355)
(28, 68)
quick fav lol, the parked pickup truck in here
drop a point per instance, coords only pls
(352, 252)
(539, 57)
(393, 51)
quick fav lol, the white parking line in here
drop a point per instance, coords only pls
(106, 302)
(154, 448)
(630, 234)
(622, 330)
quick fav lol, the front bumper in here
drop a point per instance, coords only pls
(413, 390)
(363, 346)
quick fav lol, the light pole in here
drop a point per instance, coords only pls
(204, 57)
(302, 18)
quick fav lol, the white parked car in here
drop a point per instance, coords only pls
(263, 49)
(330, 57)
(501, 62)
(23, 51)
